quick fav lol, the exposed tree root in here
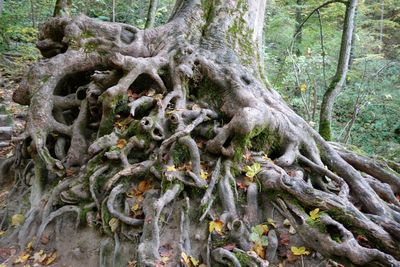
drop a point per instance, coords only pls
(125, 120)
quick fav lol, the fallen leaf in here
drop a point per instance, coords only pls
(113, 223)
(2, 233)
(185, 258)
(286, 222)
(39, 257)
(314, 214)
(259, 250)
(171, 168)
(292, 230)
(195, 262)
(242, 185)
(204, 175)
(17, 219)
(299, 251)
(50, 259)
(22, 258)
(2, 265)
(135, 207)
(284, 239)
(164, 259)
(216, 225)
(121, 143)
(144, 186)
(132, 263)
(271, 222)
(252, 170)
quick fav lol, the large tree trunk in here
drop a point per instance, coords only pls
(145, 133)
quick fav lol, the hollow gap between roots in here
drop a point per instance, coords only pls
(71, 82)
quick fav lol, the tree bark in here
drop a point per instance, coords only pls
(339, 79)
(62, 8)
(151, 14)
(145, 133)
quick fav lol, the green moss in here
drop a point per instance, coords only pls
(180, 154)
(89, 47)
(87, 34)
(244, 259)
(325, 130)
(260, 139)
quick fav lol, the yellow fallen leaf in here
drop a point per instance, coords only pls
(259, 250)
(135, 207)
(271, 222)
(50, 259)
(113, 223)
(1, 234)
(204, 174)
(39, 257)
(29, 247)
(299, 251)
(17, 219)
(165, 259)
(22, 258)
(314, 214)
(121, 143)
(171, 168)
(195, 262)
(2, 265)
(216, 225)
(185, 258)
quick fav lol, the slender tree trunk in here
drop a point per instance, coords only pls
(113, 11)
(62, 8)
(33, 13)
(339, 79)
(151, 14)
(299, 20)
(381, 26)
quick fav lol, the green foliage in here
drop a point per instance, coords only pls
(292, 63)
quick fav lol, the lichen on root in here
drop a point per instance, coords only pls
(115, 108)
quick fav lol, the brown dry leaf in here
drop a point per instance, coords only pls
(50, 259)
(284, 238)
(242, 185)
(132, 263)
(259, 250)
(121, 143)
(144, 186)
